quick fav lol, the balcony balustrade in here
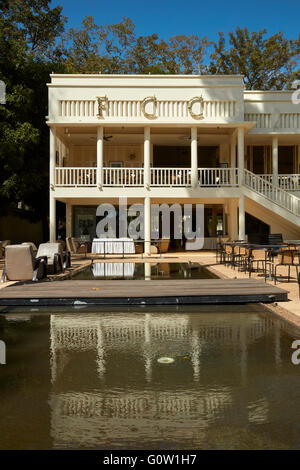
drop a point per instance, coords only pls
(134, 177)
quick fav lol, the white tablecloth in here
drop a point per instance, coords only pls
(113, 269)
(113, 245)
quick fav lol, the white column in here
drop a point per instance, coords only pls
(232, 159)
(52, 218)
(99, 157)
(194, 157)
(147, 170)
(52, 205)
(147, 225)
(68, 219)
(232, 151)
(275, 160)
(242, 217)
(233, 221)
(147, 267)
(240, 144)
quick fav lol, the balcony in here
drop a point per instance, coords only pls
(134, 177)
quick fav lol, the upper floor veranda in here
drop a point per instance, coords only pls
(164, 130)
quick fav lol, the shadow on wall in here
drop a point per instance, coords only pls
(17, 226)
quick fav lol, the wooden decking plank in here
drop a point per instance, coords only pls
(155, 291)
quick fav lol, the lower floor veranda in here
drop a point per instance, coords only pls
(227, 218)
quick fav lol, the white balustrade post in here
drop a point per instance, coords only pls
(232, 158)
(240, 144)
(147, 169)
(52, 201)
(147, 225)
(275, 160)
(242, 217)
(99, 157)
(194, 157)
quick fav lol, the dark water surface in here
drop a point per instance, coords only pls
(126, 270)
(90, 378)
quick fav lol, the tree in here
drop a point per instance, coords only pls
(116, 49)
(188, 53)
(267, 63)
(25, 51)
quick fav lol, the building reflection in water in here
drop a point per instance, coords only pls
(108, 390)
(147, 271)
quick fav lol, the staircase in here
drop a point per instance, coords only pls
(272, 197)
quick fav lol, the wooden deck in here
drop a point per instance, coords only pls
(140, 292)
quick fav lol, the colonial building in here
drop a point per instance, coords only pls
(166, 138)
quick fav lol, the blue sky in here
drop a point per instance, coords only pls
(173, 17)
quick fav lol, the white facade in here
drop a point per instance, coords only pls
(165, 138)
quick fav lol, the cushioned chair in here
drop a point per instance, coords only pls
(153, 250)
(21, 265)
(163, 245)
(63, 244)
(34, 248)
(54, 254)
(75, 246)
(138, 248)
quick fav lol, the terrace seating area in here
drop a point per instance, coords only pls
(26, 262)
(276, 260)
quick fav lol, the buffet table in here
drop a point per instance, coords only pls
(113, 245)
(108, 270)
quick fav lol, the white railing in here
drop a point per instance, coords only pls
(160, 177)
(182, 177)
(288, 182)
(263, 120)
(268, 120)
(217, 177)
(170, 177)
(79, 176)
(273, 193)
(289, 121)
(123, 176)
(133, 108)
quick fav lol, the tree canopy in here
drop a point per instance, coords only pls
(34, 41)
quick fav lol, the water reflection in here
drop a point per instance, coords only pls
(92, 379)
(117, 394)
(147, 271)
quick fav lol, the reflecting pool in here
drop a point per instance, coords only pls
(127, 270)
(91, 379)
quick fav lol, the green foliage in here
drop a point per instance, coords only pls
(33, 43)
(28, 30)
(267, 63)
(116, 49)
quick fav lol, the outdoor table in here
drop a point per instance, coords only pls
(113, 245)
